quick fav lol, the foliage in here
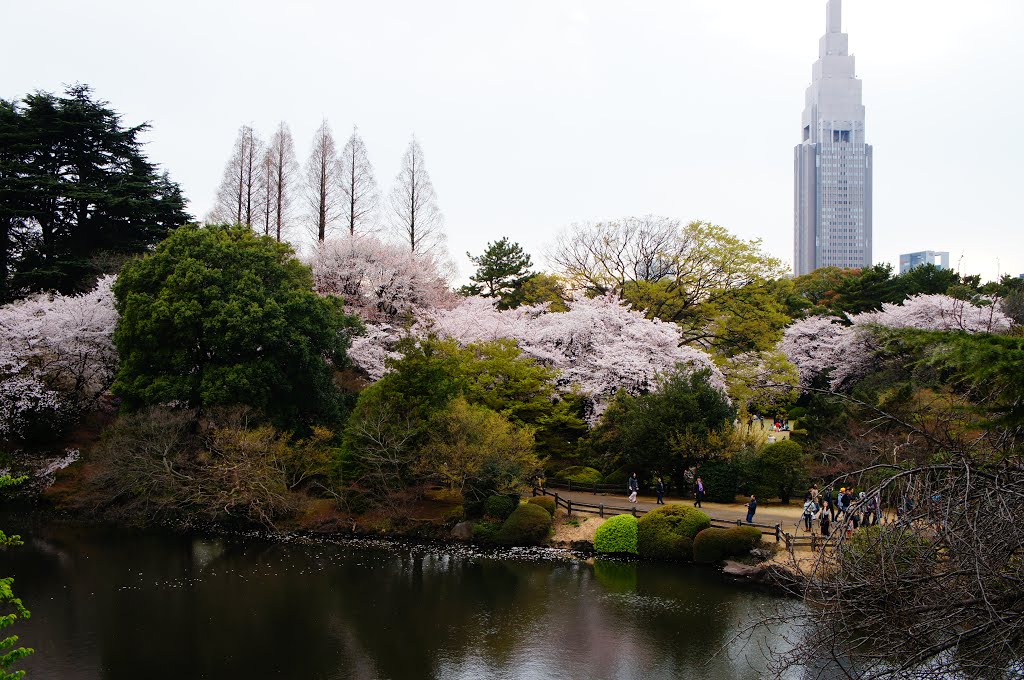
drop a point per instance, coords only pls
(501, 271)
(477, 451)
(544, 288)
(529, 524)
(713, 284)
(617, 534)
(220, 316)
(685, 420)
(11, 607)
(500, 506)
(667, 533)
(714, 545)
(580, 474)
(546, 502)
(75, 189)
(777, 470)
(486, 531)
(380, 282)
(721, 478)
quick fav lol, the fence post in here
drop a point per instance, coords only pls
(633, 511)
(778, 530)
(568, 509)
(556, 501)
(534, 491)
(601, 510)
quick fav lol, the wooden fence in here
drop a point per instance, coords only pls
(603, 510)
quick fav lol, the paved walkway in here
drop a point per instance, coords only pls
(787, 515)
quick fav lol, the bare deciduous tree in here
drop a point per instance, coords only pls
(358, 187)
(322, 182)
(416, 219)
(283, 168)
(239, 193)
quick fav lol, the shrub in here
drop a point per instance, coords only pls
(667, 533)
(721, 479)
(580, 474)
(454, 515)
(546, 502)
(528, 525)
(619, 477)
(617, 535)
(500, 506)
(486, 531)
(714, 545)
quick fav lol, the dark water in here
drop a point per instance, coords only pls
(122, 605)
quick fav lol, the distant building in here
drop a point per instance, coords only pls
(832, 163)
(914, 260)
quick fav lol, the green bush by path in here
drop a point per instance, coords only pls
(500, 506)
(546, 502)
(714, 545)
(530, 524)
(617, 535)
(721, 479)
(667, 533)
(579, 474)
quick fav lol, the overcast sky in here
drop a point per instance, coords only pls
(535, 114)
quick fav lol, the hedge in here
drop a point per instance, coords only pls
(546, 502)
(500, 506)
(581, 474)
(529, 524)
(667, 533)
(714, 545)
(617, 535)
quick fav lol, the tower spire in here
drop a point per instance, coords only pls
(834, 16)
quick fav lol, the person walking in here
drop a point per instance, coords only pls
(634, 488)
(660, 488)
(826, 498)
(751, 509)
(810, 510)
(825, 520)
(698, 493)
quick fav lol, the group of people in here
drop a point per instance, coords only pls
(633, 488)
(846, 509)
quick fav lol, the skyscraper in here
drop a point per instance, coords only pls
(832, 163)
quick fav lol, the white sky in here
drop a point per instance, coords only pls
(537, 113)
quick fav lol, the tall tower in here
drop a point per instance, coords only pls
(832, 163)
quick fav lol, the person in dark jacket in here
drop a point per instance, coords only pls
(751, 509)
(698, 492)
(634, 488)
(660, 488)
(826, 519)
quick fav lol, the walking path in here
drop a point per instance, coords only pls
(786, 515)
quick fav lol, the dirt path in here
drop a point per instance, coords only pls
(787, 515)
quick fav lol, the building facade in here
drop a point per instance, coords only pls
(832, 162)
(913, 260)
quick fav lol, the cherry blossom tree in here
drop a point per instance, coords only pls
(382, 283)
(822, 346)
(57, 357)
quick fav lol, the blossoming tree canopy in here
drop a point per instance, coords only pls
(380, 282)
(820, 345)
(57, 357)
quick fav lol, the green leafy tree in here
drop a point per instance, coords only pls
(77, 194)
(11, 607)
(684, 421)
(220, 316)
(501, 271)
(777, 470)
(541, 288)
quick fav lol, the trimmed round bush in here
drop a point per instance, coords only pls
(529, 524)
(667, 533)
(546, 502)
(581, 474)
(714, 545)
(617, 535)
(620, 477)
(500, 506)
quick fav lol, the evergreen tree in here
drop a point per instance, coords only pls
(77, 195)
(501, 271)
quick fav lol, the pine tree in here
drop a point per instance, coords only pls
(501, 271)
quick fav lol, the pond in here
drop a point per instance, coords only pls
(115, 604)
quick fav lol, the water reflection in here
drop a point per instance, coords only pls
(114, 604)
